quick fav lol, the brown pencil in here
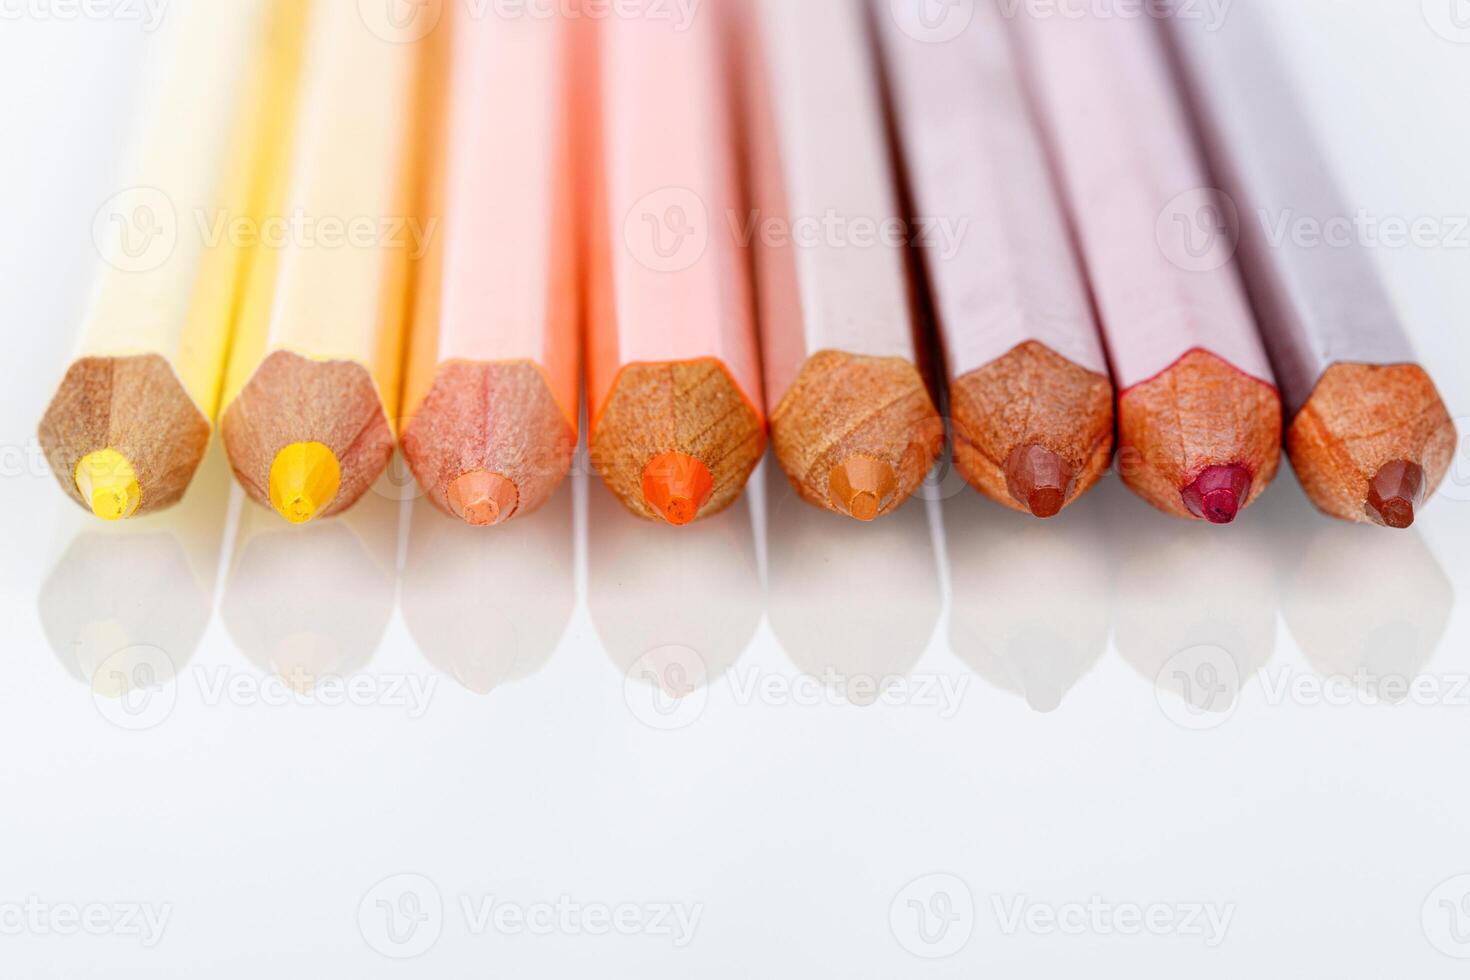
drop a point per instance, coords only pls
(852, 420)
(492, 384)
(1030, 394)
(1199, 417)
(1369, 436)
(673, 373)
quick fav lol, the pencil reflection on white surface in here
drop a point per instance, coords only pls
(1030, 610)
(1370, 608)
(312, 602)
(134, 598)
(822, 604)
(676, 606)
(490, 609)
(1196, 609)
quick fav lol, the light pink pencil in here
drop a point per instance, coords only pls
(492, 379)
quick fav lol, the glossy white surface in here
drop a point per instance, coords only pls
(955, 744)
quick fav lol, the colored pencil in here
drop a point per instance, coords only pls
(1368, 434)
(492, 382)
(1199, 416)
(132, 418)
(1029, 389)
(312, 390)
(852, 420)
(673, 370)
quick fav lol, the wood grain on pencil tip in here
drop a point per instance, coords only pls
(1032, 429)
(1372, 442)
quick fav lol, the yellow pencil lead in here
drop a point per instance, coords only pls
(305, 478)
(109, 485)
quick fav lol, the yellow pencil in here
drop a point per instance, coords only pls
(132, 417)
(311, 394)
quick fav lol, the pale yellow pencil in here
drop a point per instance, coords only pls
(130, 421)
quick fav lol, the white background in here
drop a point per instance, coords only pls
(1033, 743)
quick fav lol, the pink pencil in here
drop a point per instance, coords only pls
(492, 371)
(1199, 416)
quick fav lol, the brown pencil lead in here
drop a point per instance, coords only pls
(677, 485)
(1218, 493)
(1394, 493)
(1039, 480)
(483, 499)
(861, 486)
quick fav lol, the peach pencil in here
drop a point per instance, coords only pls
(1199, 416)
(852, 420)
(673, 372)
(492, 379)
(1367, 431)
(1029, 389)
(312, 390)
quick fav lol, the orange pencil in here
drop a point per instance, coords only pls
(1199, 415)
(852, 419)
(673, 372)
(491, 384)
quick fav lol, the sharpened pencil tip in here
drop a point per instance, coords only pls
(483, 499)
(1395, 493)
(1218, 494)
(305, 478)
(109, 484)
(677, 486)
(1039, 480)
(860, 487)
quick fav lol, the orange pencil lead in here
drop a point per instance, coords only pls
(483, 499)
(1394, 494)
(1039, 480)
(677, 485)
(861, 486)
